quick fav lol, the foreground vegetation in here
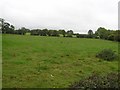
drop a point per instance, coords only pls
(52, 62)
(97, 81)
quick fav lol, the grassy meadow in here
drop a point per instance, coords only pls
(52, 62)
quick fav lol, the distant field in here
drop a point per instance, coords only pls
(51, 62)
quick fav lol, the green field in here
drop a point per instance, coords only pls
(52, 62)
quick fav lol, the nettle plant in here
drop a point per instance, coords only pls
(111, 80)
(106, 54)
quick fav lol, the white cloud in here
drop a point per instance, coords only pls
(78, 15)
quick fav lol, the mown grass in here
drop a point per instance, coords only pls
(52, 62)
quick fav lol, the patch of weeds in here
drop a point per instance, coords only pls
(98, 81)
(12, 77)
(100, 60)
(61, 42)
(80, 71)
(67, 55)
(56, 62)
(29, 58)
(41, 68)
(80, 58)
(61, 56)
(76, 64)
(113, 68)
(54, 57)
(106, 54)
(19, 62)
(14, 55)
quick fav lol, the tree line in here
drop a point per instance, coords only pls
(101, 33)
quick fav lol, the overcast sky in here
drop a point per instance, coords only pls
(76, 15)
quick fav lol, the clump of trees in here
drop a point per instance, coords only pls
(62, 32)
(6, 27)
(90, 34)
(69, 33)
(113, 35)
(101, 33)
(46, 32)
(21, 31)
(82, 35)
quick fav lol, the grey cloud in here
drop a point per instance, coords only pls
(78, 15)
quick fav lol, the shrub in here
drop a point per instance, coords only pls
(106, 54)
(96, 37)
(111, 37)
(117, 37)
(96, 81)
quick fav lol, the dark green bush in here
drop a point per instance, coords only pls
(111, 37)
(96, 81)
(106, 54)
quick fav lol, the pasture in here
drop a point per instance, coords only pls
(52, 62)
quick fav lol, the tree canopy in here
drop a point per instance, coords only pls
(102, 33)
